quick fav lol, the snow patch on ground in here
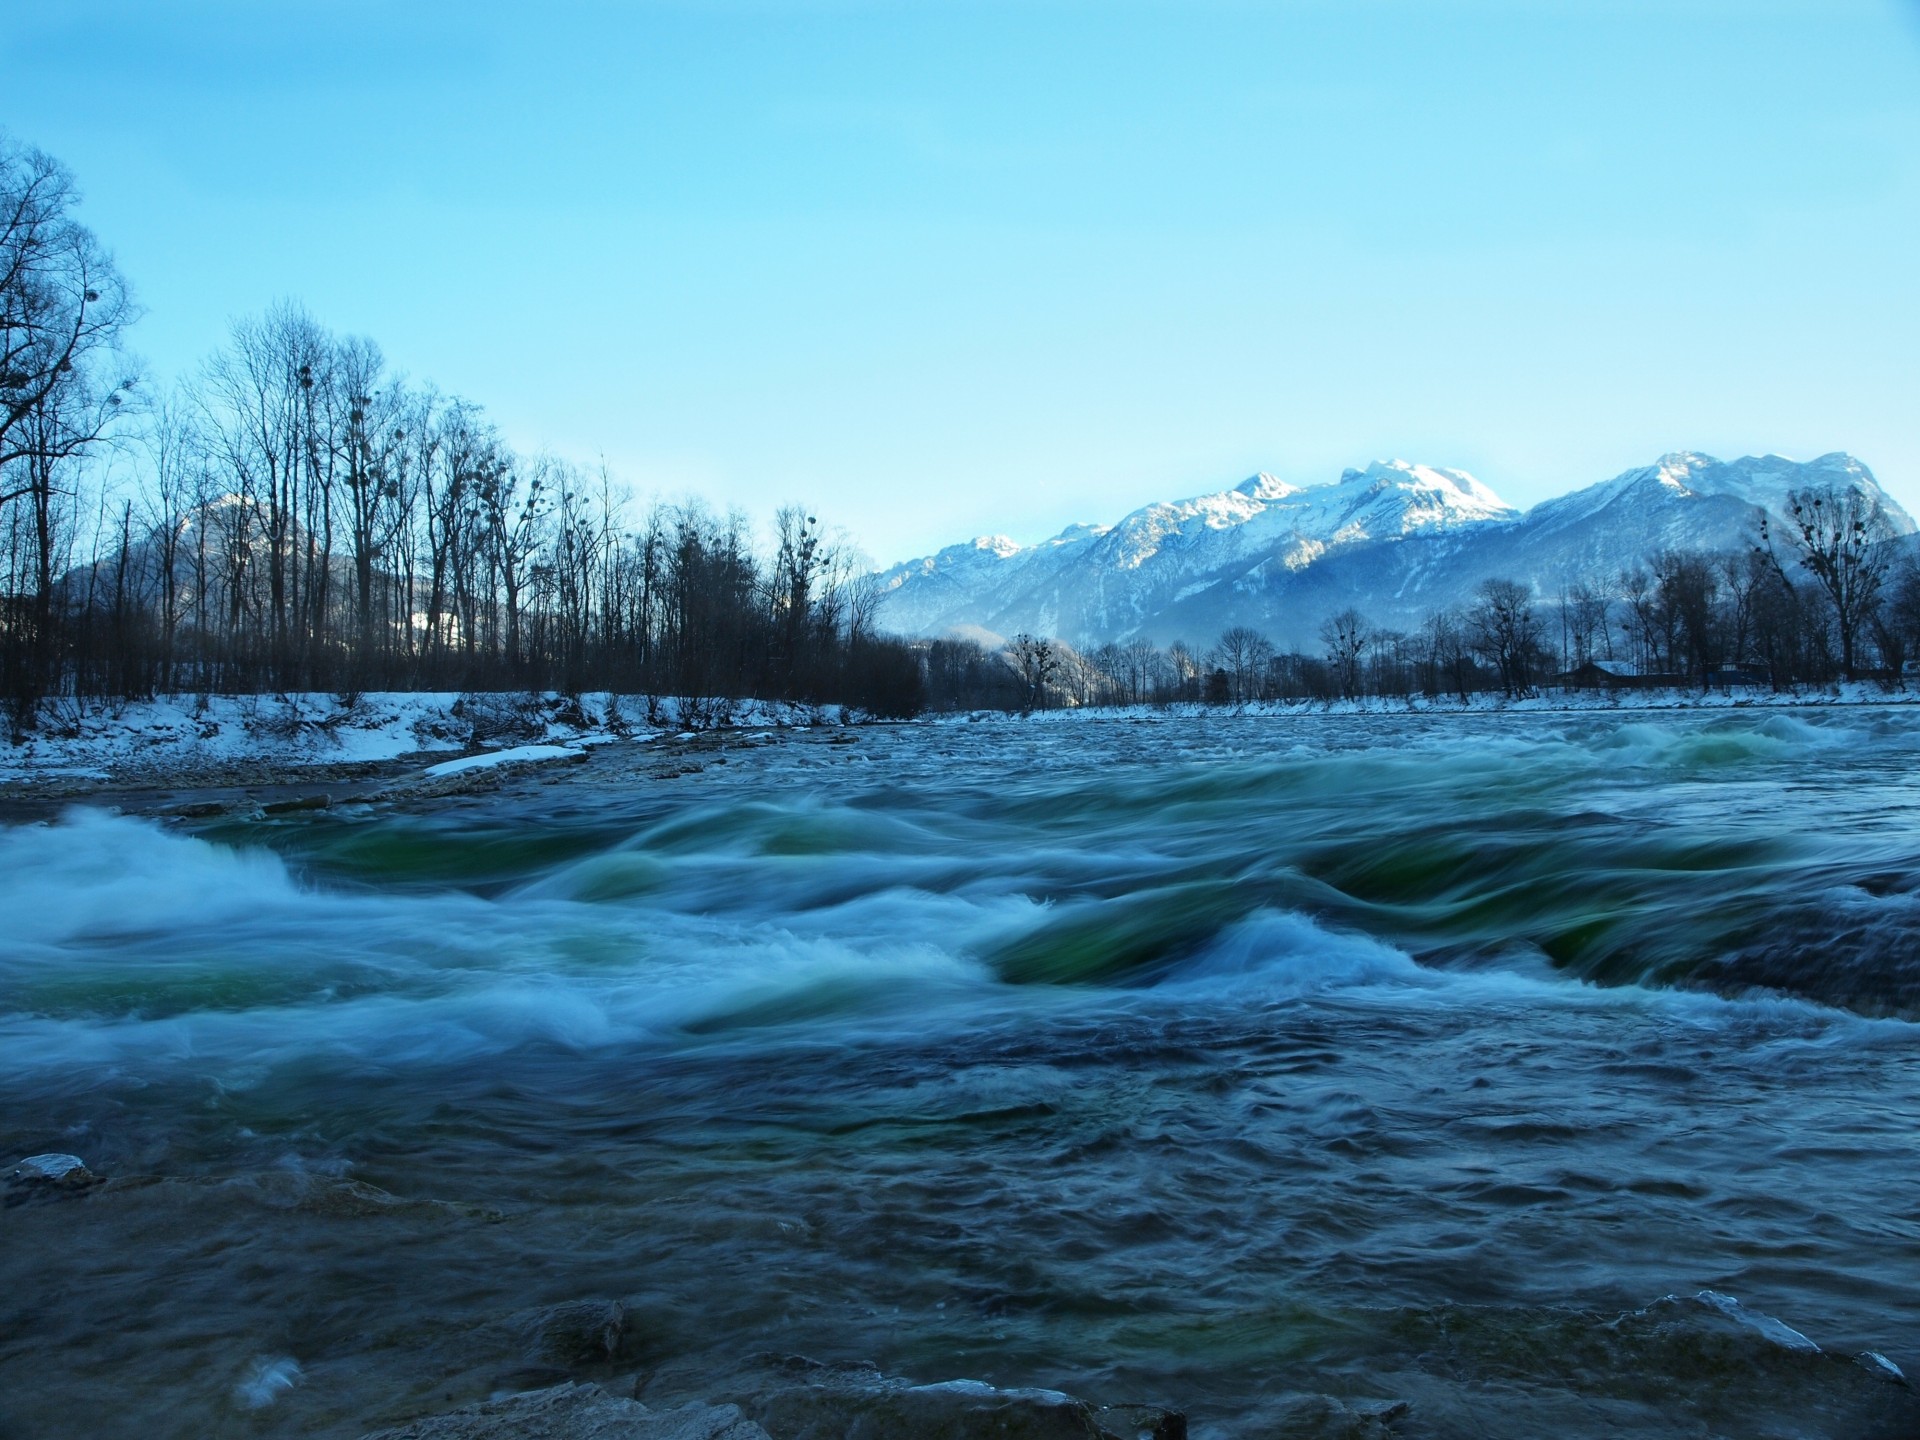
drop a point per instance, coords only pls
(190, 734)
(519, 755)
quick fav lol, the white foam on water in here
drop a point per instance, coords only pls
(266, 1380)
(170, 952)
(96, 874)
(134, 948)
(1279, 952)
(1728, 740)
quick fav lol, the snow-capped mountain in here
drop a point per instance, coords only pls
(1394, 540)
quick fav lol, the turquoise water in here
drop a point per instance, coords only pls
(1216, 1063)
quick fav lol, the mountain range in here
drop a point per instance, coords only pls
(1394, 540)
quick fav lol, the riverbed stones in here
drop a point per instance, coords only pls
(1322, 1417)
(297, 804)
(577, 1412)
(195, 810)
(48, 1175)
(573, 1333)
(794, 1398)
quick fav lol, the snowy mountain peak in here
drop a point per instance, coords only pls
(1394, 539)
(1763, 481)
(1266, 487)
(1677, 469)
(1073, 534)
(1436, 495)
(1161, 550)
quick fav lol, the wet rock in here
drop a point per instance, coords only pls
(47, 1175)
(1140, 1422)
(1720, 1366)
(794, 1398)
(1321, 1417)
(196, 810)
(572, 1334)
(304, 802)
(577, 1412)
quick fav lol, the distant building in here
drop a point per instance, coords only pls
(1622, 675)
(1599, 675)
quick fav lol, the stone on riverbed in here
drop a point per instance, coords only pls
(297, 804)
(47, 1174)
(577, 1412)
(571, 1334)
(794, 1398)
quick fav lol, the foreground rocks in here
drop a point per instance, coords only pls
(575, 1333)
(794, 1398)
(791, 1398)
(577, 1412)
(46, 1176)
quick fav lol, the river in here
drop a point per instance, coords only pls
(1553, 1074)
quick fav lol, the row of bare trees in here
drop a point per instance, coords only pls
(63, 383)
(1822, 594)
(297, 517)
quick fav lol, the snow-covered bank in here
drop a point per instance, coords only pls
(184, 735)
(180, 739)
(518, 755)
(1551, 701)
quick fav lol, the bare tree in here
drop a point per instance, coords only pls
(1687, 586)
(1242, 654)
(1185, 667)
(1838, 534)
(1586, 610)
(799, 567)
(1742, 576)
(1345, 637)
(1443, 646)
(1896, 622)
(1036, 661)
(1649, 620)
(63, 308)
(1502, 626)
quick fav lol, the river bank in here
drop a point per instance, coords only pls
(235, 750)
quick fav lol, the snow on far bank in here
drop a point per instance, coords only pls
(177, 738)
(519, 755)
(1603, 702)
(188, 734)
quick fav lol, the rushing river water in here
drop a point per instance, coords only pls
(1216, 1063)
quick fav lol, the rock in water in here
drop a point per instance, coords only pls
(577, 1412)
(577, 1332)
(1140, 1422)
(290, 807)
(51, 1172)
(800, 1399)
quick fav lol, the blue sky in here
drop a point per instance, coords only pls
(939, 269)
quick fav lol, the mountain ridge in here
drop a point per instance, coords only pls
(1393, 539)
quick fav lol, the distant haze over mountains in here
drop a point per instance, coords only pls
(1395, 541)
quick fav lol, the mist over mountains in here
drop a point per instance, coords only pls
(1394, 540)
